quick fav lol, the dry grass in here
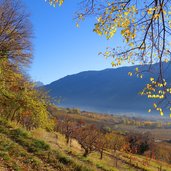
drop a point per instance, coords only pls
(93, 160)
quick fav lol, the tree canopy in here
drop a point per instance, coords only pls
(19, 99)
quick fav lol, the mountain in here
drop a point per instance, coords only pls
(38, 84)
(106, 91)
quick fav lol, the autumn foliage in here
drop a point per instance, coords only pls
(19, 99)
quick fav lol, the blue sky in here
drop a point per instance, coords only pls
(60, 48)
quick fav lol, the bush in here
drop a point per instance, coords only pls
(40, 145)
(4, 155)
(140, 143)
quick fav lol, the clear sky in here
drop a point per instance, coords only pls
(60, 48)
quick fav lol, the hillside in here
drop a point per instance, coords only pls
(106, 91)
(21, 150)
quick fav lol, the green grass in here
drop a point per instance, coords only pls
(12, 153)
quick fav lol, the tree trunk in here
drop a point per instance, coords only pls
(85, 153)
(70, 143)
(101, 155)
(116, 162)
(67, 139)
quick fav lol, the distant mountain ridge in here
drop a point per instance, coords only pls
(106, 91)
(38, 84)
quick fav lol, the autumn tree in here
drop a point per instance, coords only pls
(102, 143)
(15, 48)
(116, 142)
(15, 33)
(145, 29)
(140, 143)
(67, 127)
(19, 99)
(87, 137)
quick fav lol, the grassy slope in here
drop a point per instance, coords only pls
(21, 150)
(109, 161)
(17, 146)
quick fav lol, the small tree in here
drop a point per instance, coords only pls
(67, 127)
(87, 136)
(102, 144)
(140, 143)
(116, 143)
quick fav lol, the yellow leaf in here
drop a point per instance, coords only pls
(130, 74)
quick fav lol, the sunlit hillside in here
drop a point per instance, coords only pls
(114, 115)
